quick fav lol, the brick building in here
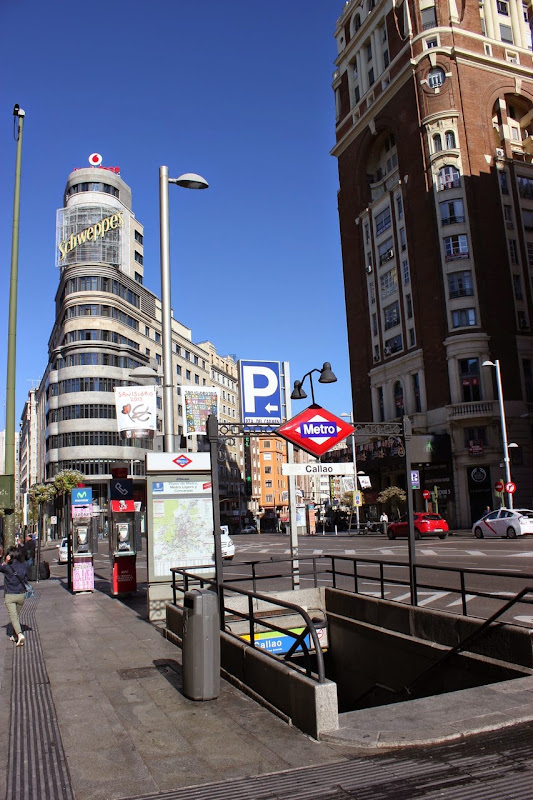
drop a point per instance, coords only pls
(434, 141)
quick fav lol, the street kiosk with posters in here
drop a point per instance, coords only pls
(180, 521)
(82, 539)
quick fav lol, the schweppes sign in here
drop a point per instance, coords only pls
(90, 234)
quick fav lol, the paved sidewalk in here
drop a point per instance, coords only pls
(96, 711)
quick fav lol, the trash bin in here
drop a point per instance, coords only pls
(201, 645)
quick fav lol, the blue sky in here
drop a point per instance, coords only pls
(238, 92)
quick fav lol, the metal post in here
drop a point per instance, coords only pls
(506, 459)
(9, 519)
(407, 434)
(212, 432)
(293, 527)
(166, 321)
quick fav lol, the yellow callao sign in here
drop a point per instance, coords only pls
(91, 234)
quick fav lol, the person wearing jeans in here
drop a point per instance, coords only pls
(15, 570)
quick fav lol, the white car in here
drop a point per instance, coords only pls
(510, 522)
(62, 552)
(226, 543)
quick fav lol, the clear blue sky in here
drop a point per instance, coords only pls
(237, 91)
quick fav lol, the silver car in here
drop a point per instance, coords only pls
(509, 522)
(62, 552)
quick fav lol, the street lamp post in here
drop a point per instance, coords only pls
(188, 181)
(349, 415)
(506, 459)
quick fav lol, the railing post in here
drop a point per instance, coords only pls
(355, 577)
(463, 593)
(251, 621)
(382, 580)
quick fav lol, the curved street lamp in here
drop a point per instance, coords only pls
(326, 376)
(506, 446)
(188, 180)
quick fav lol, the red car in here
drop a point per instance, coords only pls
(425, 525)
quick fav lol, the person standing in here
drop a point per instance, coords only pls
(15, 570)
(384, 521)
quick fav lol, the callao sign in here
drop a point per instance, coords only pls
(315, 430)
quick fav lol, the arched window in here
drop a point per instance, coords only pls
(437, 143)
(398, 399)
(356, 23)
(450, 140)
(448, 178)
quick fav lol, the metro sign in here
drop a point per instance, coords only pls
(315, 430)
(182, 461)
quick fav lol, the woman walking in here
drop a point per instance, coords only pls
(15, 570)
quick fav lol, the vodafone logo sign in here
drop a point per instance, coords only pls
(315, 430)
(95, 159)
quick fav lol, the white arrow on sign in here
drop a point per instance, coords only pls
(270, 407)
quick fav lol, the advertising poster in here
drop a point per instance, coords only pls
(82, 574)
(136, 411)
(181, 520)
(198, 404)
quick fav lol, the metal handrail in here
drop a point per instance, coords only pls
(299, 638)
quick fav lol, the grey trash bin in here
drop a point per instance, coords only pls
(201, 645)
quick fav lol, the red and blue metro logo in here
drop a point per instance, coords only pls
(315, 430)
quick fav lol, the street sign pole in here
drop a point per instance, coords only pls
(293, 526)
(407, 434)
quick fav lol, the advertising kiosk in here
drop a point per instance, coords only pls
(180, 522)
(83, 544)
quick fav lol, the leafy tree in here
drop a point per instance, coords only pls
(392, 496)
(40, 494)
(66, 480)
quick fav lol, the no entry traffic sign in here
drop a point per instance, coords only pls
(315, 430)
(498, 486)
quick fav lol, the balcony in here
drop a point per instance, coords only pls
(477, 408)
(452, 220)
(456, 255)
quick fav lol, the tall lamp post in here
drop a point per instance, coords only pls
(349, 415)
(188, 181)
(506, 459)
(9, 530)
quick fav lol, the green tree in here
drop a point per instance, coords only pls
(40, 494)
(64, 482)
(392, 496)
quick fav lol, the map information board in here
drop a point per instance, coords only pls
(181, 524)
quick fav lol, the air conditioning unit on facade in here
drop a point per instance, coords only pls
(387, 350)
(500, 153)
(376, 358)
(368, 269)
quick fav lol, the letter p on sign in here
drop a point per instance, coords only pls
(260, 392)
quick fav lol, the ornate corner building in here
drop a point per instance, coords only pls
(434, 141)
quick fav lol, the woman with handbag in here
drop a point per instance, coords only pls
(15, 570)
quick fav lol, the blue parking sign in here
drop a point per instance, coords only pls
(260, 392)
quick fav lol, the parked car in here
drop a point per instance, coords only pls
(226, 543)
(248, 529)
(510, 522)
(62, 552)
(425, 524)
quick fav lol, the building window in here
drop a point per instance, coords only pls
(475, 436)
(450, 140)
(372, 292)
(268, 470)
(409, 306)
(437, 143)
(527, 216)
(416, 392)
(385, 251)
(451, 211)
(266, 444)
(517, 284)
(436, 77)
(503, 7)
(403, 241)
(448, 178)
(528, 379)
(374, 324)
(138, 258)
(432, 42)
(188, 374)
(383, 221)
(488, 49)
(371, 78)
(506, 34)
(429, 18)
(406, 275)
(138, 237)
(398, 399)
(388, 282)
(178, 369)
(464, 318)
(469, 379)
(138, 277)
(513, 251)
(399, 206)
(525, 187)
(455, 247)
(381, 404)
(368, 49)
(460, 284)
(157, 337)
(391, 315)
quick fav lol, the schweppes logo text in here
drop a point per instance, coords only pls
(91, 234)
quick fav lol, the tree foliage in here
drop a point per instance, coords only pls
(67, 479)
(393, 495)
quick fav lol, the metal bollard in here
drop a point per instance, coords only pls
(201, 645)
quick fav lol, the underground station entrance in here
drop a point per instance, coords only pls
(317, 656)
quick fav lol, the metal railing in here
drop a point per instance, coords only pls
(189, 578)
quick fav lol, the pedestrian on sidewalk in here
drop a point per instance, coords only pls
(15, 570)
